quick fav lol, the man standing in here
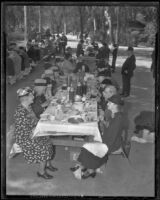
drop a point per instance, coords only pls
(127, 72)
(63, 41)
(80, 50)
(114, 57)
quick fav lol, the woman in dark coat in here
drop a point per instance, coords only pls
(35, 150)
(95, 155)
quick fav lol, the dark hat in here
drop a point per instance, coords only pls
(107, 82)
(116, 99)
(130, 49)
(82, 41)
(24, 91)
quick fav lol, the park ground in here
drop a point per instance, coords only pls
(119, 177)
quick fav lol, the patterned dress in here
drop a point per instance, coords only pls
(35, 150)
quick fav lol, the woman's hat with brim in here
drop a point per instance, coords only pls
(48, 72)
(40, 82)
(116, 99)
(24, 91)
(107, 82)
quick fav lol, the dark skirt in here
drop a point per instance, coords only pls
(90, 161)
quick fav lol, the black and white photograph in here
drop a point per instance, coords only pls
(79, 110)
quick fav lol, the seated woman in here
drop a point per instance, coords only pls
(40, 102)
(94, 155)
(37, 150)
(104, 113)
(51, 83)
(67, 67)
(105, 84)
(104, 68)
(80, 65)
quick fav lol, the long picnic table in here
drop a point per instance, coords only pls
(48, 125)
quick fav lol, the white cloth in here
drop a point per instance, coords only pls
(15, 149)
(96, 148)
(49, 128)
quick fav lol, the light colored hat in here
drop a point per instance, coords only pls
(40, 82)
(24, 91)
(54, 68)
(48, 71)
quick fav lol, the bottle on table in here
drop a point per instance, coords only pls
(71, 94)
(79, 89)
(84, 88)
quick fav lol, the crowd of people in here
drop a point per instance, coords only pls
(110, 100)
(21, 60)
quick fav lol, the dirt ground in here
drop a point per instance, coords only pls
(119, 177)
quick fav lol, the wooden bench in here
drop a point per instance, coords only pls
(70, 141)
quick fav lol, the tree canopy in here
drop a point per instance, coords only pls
(99, 21)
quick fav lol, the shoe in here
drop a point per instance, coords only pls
(45, 175)
(87, 175)
(51, 168)
(73, 169)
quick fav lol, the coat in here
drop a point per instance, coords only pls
(34, 150)
(112, 135)
(129, 66)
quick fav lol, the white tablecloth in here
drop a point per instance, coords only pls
(45, 128)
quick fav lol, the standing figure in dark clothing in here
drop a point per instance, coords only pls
(102, 55)
(31, 53)
(114, 57)
(80, 50)
(127, 72)
(94, 155)
(63, 41)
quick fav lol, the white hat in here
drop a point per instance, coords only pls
(40, 82)
(48, 71)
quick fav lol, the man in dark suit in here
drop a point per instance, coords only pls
(114, 57)
(63, 41)
(127, 72)
(80, 50)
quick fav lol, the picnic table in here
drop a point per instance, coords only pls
(57, 126)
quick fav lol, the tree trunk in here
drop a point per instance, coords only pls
(25, 24)
(117, 31)
(40, 20)
(65, 28)
(81, 21)
(94, 23)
